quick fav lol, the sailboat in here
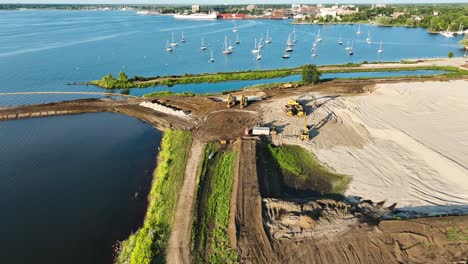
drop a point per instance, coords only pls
(226, 51)
(259, 56)
(294, 39)
(212, 58)
(173, 43)
(168, 47)
(286, 56)
(351, 52)
(203, 47)
(380, 50)
(447, 33)
(182, 39)
(340, 42)
(260, 45)
(268, 39)
(460, 30)
(288, 44)
(235, 29)
(237, 39)
(318, 36)
(359, 30)
(314, 53)
(255, 50)
(347, 46)
(314, 45)
(230, 46)
(294, 29)
(368, 39)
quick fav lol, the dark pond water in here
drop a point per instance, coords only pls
(68, 184)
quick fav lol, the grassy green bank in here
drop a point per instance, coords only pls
(209, 242)
(122, 82)
(293, 171)
(148, 244)
(109, 82)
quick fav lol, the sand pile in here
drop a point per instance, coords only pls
(404, 143)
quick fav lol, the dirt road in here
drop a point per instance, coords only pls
(252, 243)
(178, 250)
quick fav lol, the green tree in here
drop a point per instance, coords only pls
(450, 54)
(310, 74)
(122, 77)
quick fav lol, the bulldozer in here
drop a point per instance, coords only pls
(305, 132)
(294, 108)
(243, 101)
(231, 101)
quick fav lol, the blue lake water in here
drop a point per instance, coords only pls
(68, 184)
(45, 50)
(202, 88)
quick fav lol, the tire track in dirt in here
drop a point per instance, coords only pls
(178, 250)
(252, 242)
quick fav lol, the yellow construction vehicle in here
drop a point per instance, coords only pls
(243, 101)
(305, 132)
(231, 101)
(294, 108)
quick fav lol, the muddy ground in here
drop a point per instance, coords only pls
(430, 240)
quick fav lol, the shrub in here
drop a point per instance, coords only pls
(310, 74)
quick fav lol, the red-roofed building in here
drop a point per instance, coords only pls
(232, 16)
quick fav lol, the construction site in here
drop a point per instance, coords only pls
(321, 173)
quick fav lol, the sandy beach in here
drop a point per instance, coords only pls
(404, 142)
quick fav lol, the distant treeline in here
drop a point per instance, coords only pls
(435, 17)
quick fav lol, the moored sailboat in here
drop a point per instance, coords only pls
(203, 47)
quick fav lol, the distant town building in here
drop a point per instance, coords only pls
(250, 8)
(378, 6)
(296, 9)
(195, 8)
(278, 13)
(436, 13)
(328, 12)
(397, 14)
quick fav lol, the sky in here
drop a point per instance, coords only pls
(206, 2)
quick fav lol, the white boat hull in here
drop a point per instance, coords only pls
(197, 16)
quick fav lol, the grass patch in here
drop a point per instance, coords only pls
(301, 171)
(456, 235)
(210, 242)
(148, 244)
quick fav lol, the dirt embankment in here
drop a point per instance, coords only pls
(129, 107)
(324, 231)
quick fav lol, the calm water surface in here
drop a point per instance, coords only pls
(45, 50)
(68, 184)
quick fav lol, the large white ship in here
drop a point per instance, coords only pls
(197, 16)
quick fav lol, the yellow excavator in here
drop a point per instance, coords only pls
(243, 101)
(305, 132)
(294, 108)
(231, 101)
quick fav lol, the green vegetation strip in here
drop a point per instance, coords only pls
(109, 82)
(298, 162)
(123, 82)
(148, 244)
(210, 241)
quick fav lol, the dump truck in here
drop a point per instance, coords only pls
(231, 101)
(243, 101)
(294, 108)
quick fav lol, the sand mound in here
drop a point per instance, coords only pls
(404, 143)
